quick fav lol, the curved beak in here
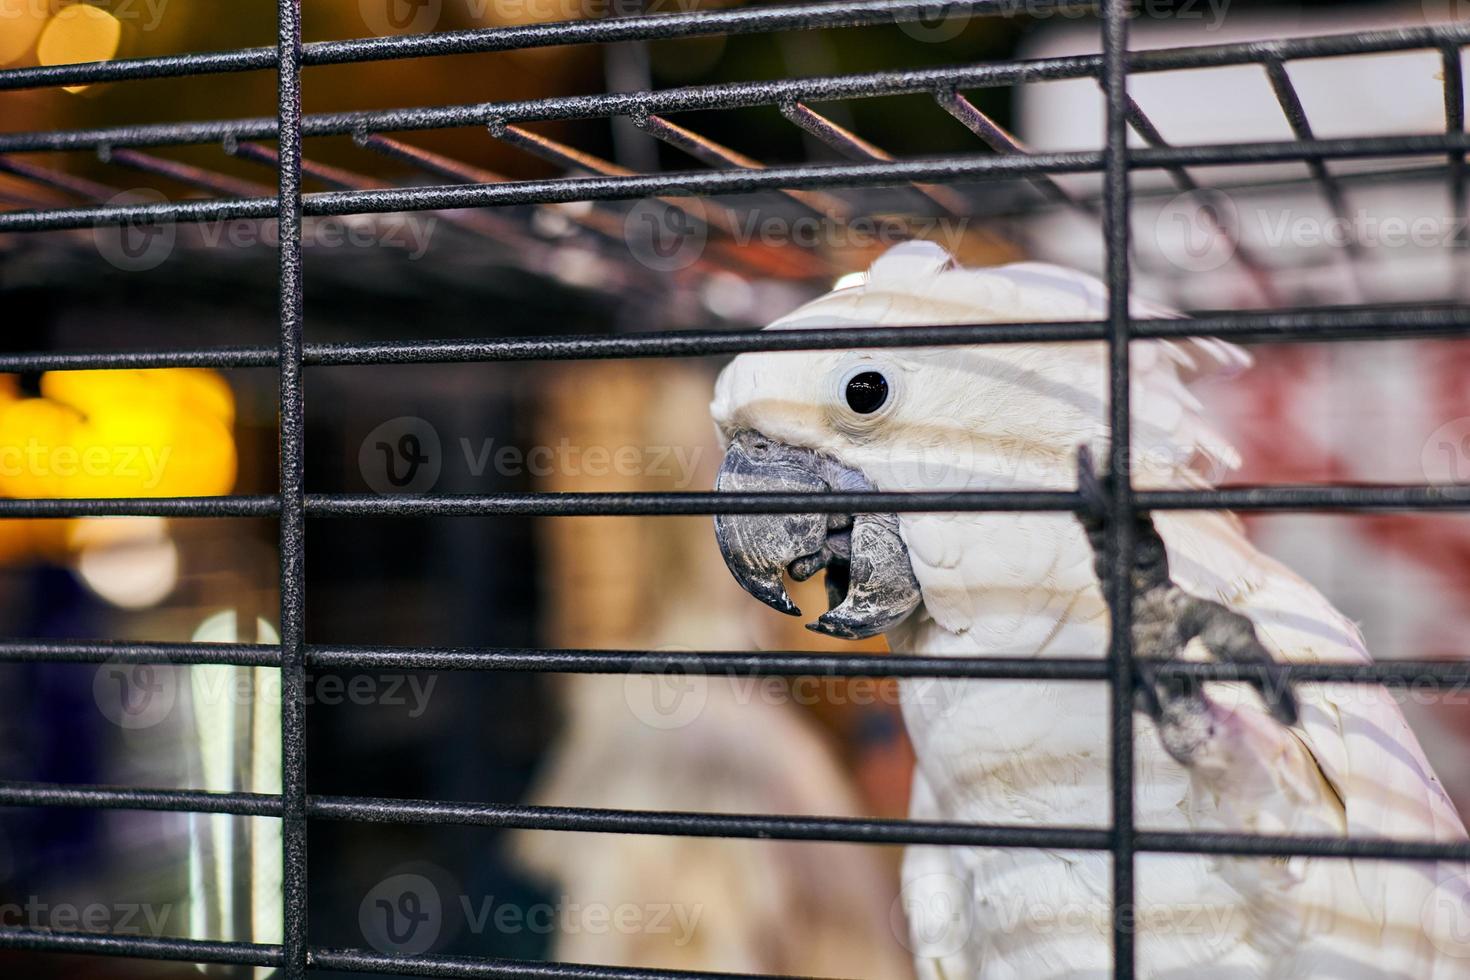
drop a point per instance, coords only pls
(870, 583)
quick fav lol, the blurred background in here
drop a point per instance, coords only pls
(1257, 237)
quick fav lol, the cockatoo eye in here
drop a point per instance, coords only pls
(866, 392)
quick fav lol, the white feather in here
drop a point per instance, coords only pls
(1013, 415)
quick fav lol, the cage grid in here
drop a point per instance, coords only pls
(732, 174)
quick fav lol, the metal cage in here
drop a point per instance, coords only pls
(1004, 159)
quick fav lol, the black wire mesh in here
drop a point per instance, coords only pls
(295, 806)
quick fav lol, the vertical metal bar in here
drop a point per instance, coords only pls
(627, 67)
(1454, 118)
(1120, 514)
(293, 510)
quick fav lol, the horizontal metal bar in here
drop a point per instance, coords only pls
(649, 27)
(726, 96)
(730, 95)
(711, 663)
(356, 960)
(1311, 497)
(756, 826)
(163, 66)
(127, 652)
(1251, 845)
(727, 825)
(1387, 497)
(1419, 674)
(802, 176)
(123, 798)
(562, 190)
(643, 504)
(1273, 498)
(515, 816)
(402, 964)
(226, 506)
(141, 947)
(210, 357)
(1425, 674)
(702, 343)
(1348, 324)
(1397, 323)
(167, 212)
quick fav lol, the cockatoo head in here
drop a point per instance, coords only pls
(996, 416)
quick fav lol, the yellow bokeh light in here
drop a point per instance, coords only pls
(20, 23)
(79, 33)
(156, 433)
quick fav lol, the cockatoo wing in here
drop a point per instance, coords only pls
(981, 585)
(1358, 740)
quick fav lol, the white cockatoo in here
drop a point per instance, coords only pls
(1335, 760)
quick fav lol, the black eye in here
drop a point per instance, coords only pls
(867, 392)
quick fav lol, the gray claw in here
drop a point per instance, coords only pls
(1166, 619)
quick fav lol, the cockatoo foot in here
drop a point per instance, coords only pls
(1166, 619)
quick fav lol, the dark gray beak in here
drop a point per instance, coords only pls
(870, 583)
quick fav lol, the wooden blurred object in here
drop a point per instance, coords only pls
(726, 745)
